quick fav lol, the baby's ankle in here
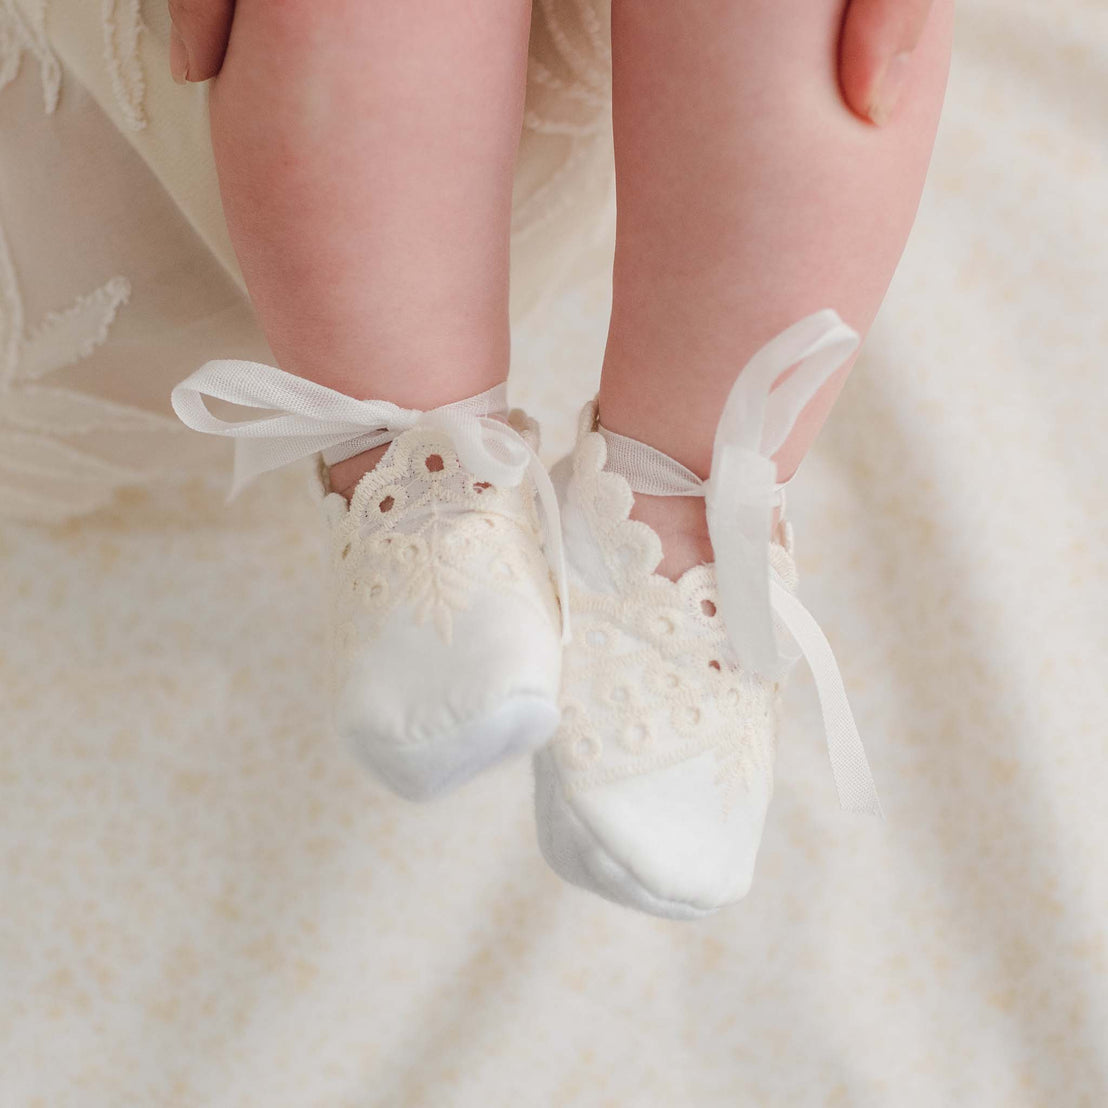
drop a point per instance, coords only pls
(345, 475)
(680, 522)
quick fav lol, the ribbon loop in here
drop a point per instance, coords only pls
(849, 765)
(308, 418)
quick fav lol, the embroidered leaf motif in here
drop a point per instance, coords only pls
(436, 589)
(122, 24)
(19, 35)
(66, 337)
(443, 539)
(739, 757)
(11, 318)
(33, 417)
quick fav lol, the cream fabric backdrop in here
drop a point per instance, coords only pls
(206, 903)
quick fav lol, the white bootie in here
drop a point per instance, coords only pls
(445, 624)
(447, 650)
(655, 790)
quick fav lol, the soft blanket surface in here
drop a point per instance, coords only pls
(205, 902)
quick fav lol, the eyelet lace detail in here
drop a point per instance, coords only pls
(426, 537)
(651, 666)
(648, 671)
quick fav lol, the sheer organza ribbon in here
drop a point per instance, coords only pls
(307, 418)
(741, 494)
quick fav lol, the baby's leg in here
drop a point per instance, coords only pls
(749, 196)
(365, 152)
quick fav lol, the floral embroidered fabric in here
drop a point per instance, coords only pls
(651, 678)
(422, 533)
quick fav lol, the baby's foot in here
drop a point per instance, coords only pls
(343, 477)
(680, 523)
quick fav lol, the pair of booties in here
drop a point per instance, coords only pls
(482, 609)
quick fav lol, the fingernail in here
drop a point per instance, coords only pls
(887, 91)
(178, 56)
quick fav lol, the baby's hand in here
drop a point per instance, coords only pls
(199, 37)
(878, 37)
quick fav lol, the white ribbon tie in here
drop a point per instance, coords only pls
(741, 494)
(308, 418)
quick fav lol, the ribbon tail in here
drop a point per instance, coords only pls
(305, 417)
(739, 504)
(255, 452)
(849, 765)
(552, 533)
(253, 457)
(742, 571)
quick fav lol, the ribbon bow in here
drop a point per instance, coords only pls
(740, 494)
(310, 418)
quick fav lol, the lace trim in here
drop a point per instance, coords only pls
(652, 679)
(741, 493)
(423, 533)
(646, 688)
(631, 549)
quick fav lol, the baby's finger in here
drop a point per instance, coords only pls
(875, 53)
(198, 39)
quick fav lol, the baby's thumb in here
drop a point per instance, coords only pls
(875, 52)
(198, 38)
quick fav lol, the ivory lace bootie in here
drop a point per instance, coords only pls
(444, 621)
(655, 790)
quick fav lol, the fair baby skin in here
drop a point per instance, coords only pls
(770, 156)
